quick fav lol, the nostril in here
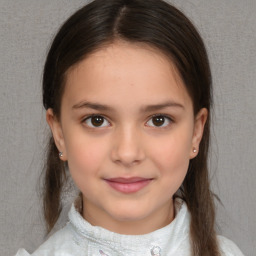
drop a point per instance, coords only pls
(128, 156)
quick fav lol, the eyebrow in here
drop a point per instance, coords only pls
(167, 104)
(148, 108)
(96, 106)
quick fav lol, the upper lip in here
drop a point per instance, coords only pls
(127, 180)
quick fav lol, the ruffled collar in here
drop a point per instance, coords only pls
(160, 242)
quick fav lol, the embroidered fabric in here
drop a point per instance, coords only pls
(79, 237)
(109, 243)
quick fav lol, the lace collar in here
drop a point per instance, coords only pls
(159, 242)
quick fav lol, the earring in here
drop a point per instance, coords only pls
(60, 154)
(194, 150)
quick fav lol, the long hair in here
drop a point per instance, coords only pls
(162, 26)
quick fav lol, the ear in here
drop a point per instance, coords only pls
(199, 124)
(57, 133)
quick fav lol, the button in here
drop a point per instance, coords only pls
(156, 251)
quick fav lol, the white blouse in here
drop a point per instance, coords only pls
(79, 237)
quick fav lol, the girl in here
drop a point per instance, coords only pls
(127, 93)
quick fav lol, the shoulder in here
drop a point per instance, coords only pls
(228, 248)
(60, 243)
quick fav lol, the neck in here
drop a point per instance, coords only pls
(126, 226)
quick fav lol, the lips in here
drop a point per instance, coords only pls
(128, 185)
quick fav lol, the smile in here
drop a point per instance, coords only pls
(128, 185)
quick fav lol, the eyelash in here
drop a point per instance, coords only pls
(166, 118)
(90, 117)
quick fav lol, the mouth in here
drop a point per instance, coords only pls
(128, 185)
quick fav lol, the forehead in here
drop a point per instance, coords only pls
(126, 54)
(125, 69)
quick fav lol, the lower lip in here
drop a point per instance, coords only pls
(128, 188)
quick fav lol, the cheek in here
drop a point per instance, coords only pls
(172, 153)
(85, 155)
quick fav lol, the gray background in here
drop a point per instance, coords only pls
(26, 29)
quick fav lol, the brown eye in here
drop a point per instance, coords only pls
(96, 121)
(159, 121)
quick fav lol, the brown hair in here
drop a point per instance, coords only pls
(161, 26)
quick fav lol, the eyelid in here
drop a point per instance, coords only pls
(170, 119)
(93, 115)
(166, 116)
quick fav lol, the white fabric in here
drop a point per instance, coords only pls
(79, 237)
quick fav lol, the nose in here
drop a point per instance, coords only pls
(127, 147)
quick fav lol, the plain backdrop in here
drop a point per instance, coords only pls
(26, 30)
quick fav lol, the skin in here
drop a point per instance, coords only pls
(127, 78)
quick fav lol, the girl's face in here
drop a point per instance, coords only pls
(128, 131)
